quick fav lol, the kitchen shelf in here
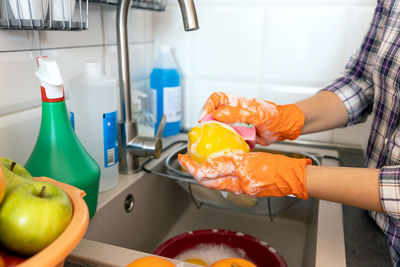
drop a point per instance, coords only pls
(155, 5)
(65, 15)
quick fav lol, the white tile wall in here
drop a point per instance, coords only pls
(356, 134)
(187, 118)
(92, 36)
(109, 18)
(286, 94)
(140, 59)
(139, 29)
(12, 40)
(228, 48)
(139, 26)
(168, 29)
(282, 2)
(278, 50)
(359, 19)
(20, 110)
(303, 44)
(18, 133)
(19, 86)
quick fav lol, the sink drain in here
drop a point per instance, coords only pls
(129, 203)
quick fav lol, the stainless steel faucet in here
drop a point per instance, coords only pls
(132, 146)
(189, 15)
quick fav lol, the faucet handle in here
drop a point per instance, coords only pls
(144, 146)
(158, 140)
(161, 126)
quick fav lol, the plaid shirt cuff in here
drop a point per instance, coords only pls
(389, 183)
(358, 101)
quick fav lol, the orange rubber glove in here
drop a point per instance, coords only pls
(273, 122)
(257, 174)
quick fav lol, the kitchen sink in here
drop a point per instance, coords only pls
(144, 210)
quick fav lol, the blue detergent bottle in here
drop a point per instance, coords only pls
(166, 92)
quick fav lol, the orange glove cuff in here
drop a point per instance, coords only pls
(290, 122)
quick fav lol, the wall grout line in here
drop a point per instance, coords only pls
(19, 111)
(71, 47)
(263, 61)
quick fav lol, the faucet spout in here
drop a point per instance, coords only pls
(130, 145)
(189, 15)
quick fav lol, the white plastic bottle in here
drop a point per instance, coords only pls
(93, 112)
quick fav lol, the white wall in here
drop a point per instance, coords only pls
(20, 104)
(278, 50)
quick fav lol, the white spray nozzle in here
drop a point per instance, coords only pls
(139, 93)
(49, 71)
(50, 77)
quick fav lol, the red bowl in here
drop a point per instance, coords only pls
(259, 252)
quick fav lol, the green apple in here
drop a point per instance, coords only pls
(15, 174)
(32, 216)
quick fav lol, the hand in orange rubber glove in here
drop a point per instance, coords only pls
(273, 122)
(254, 173)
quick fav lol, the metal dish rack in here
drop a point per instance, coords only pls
(241, 203)
(64, 15)
(155, 5)
(61, 15)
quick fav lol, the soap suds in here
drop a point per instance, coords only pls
(210, 253)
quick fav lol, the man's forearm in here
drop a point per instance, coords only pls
(323, 111)
(357, 187)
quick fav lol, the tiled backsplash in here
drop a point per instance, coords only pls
(281, 51)
(20, 105)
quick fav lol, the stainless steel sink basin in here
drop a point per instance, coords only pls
(144, 210)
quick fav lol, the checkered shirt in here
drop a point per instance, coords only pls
(370, 84)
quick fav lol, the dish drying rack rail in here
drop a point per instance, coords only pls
(154, 5)
(57, 15)
(200, 195)
(173, 174)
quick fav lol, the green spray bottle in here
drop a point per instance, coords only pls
(58, 153)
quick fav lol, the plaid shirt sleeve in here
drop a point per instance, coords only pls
(389, 184)
(354, 86)
(357, 95)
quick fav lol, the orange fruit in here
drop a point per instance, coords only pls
(2, 262)
(196, 261)
(151, 261)
(233, 262)
(2, 183)
(212, 137)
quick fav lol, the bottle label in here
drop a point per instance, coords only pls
(72, 119)
(172, 103)
(110, 139)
